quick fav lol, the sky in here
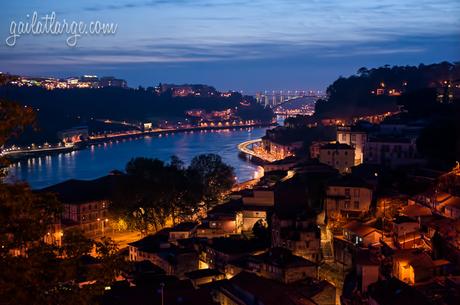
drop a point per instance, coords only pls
(251, 45)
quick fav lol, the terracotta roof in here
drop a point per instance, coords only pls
(359, 228)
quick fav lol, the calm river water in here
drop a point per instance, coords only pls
(98, 160)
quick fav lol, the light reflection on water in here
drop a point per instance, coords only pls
(99, 159)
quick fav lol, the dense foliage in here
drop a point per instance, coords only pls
(154, 193)
(35, 269)
(64, 108)
(352, 96)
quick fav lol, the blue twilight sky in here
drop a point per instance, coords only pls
(234, 44)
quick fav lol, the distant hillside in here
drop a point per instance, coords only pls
(59, 109)
(377, 90)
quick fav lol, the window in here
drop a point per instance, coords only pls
(347, 204)
(347, 192)
(356, 204)
(356, 192)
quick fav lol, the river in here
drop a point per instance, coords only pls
(98, 160)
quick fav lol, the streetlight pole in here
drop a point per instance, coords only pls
(162, 286)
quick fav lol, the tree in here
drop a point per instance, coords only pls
(112, 262)
(13, 120)
(32, 271)
(153, 192)
(75, 244)
(261, 231)
(216, 177)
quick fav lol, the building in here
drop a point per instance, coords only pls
(406, 232)
(277, 264)
(249, 289)
(110, 81)
(280, 149)
(218, 252)
(183, 230)
(348, 196)
(160, 290)
(256, 207)
(413, 266)
(315, 147)
(367, 267)
(222, 220)
(356, 137)
(173, 259)
(85, 203)
(297, 232)
(355, 237)
(73, 135)
(391, 151)
(281, 165)
(338, 155)
(395, 292)
(451, 207)
(204, 276)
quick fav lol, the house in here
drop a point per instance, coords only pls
(277, 264)
(159, 291)
(218, 252)
(367, 267)
(281, 165)
(356, 137)
(260, 197)
(413, 266)
(249, 289)
(391, 151)
(297, 232)
(361, 234)
(415, 210)
(406, 232)
(338, 155)
(395, 292)
(183, 230)
(256, 207)
(223, 220)
(279, 148)
(348, 196)
(85, 203)
(155, 248)
(204, 276)
(355, 236)
(315, 147)
(451, 207)
(432, 199)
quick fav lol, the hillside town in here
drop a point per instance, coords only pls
(359, 209)
(362, 218)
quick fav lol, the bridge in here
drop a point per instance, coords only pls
(277, 98)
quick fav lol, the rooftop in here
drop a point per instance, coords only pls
(395, 292)
(231, 245)
(359, 228)
(184, 226)
(336, 145)
(283, 258)
(197, 274)
(83, 191)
